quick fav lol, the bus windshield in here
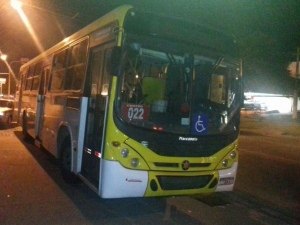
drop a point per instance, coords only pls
(186, 94)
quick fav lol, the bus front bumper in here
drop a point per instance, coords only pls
(227, 178)
(120, 182)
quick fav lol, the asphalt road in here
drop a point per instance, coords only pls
(33, 192)
(269, 163)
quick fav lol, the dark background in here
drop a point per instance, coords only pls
(267, 31)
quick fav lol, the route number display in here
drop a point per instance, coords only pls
(135, 112)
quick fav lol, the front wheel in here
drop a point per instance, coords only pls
(65, 163)
(26, 136)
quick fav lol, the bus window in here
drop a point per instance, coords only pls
(29, 78)
(217, 89)
(44, 81)
(105, 79)
(37, 75)
(58, 71)
(77, 66)
(22, 80)
(35, 83)
(38, 68)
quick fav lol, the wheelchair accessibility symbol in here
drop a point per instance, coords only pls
(199, 124)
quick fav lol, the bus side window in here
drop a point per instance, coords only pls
(29, 78)
(44, 81)
(106, 72)
(58, 71)
(77, 66)
(37, 75)
(218, 89)
(23, 76)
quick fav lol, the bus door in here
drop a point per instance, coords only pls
(93, 142)
(41, 101)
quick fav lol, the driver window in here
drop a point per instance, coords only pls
(217, 89)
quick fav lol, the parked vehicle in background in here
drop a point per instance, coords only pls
(6, 111)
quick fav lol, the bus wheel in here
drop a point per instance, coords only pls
(26, 136)
(65, 163)
(9, 122)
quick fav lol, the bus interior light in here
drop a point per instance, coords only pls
(104, 91)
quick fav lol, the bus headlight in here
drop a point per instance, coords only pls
(128, 157)
(228, 160)
(233, 154)
(124, 152)
(135, 162)
(225, 162)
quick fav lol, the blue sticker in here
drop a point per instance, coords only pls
(199, 124)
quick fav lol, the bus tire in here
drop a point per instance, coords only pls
(9, 122)
(26, 136)
(65, 162)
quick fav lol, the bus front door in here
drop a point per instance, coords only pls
(92, 148)
(41, 102)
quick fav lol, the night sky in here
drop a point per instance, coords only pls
(267, 31)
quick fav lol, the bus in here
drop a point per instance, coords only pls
(138, 105)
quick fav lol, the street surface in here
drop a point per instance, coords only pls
(267, 187)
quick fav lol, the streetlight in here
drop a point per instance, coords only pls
(17, 5)
(3, 57)
(10, 73)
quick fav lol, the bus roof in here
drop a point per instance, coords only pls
(116, 15)
(148, 23)
(177, 30)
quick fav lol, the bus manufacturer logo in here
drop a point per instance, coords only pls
(187, 138)
(185, 165)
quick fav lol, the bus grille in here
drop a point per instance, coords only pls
(182, 183)
(176, 165)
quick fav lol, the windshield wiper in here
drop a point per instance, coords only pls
(217, 64)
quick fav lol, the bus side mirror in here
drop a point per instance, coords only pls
(114, 62)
